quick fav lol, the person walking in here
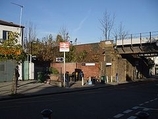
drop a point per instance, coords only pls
(16, 75)
(117, 80)
(67, 78)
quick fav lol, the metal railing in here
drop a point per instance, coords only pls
(138, 38)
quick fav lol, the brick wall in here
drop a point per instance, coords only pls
(70, 67)
(102, 51)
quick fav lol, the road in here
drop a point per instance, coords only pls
(113, 102)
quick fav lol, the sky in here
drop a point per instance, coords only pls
(81, 17)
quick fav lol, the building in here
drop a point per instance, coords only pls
(7, 67)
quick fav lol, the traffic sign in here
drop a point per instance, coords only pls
(64, 46)
(59, 59)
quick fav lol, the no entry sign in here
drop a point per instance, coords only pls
(64, 46)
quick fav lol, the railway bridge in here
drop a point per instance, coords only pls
(139, 49)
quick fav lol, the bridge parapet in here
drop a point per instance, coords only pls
(142, 38)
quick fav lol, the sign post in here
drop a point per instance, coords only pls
(64, 47)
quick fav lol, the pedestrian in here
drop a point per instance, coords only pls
(16, 75)
(76, 76)
(48, 80)
(67, 78)
(117, 80)
(73, 76)
(81, 76)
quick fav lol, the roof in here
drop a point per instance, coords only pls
(9, 24)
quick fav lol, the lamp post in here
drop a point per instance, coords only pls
(21, 9)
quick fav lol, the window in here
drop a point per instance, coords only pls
(5, 35)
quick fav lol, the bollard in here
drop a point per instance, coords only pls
(46, 113)
(89, 81)
(82, 81)
(143, 115)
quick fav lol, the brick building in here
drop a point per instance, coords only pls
(101, 60)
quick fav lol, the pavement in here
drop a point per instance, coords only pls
(30, 88)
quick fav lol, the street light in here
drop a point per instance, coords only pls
(20, 10)
(20, 18)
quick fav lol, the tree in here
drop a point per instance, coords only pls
(71, 55)
(30, 36)
(107, 23)
(80, 57)
(11, 50)
(48, 48)
(64, 34)
(120, 33)
(43, 50)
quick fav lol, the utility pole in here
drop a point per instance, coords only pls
(21, 9)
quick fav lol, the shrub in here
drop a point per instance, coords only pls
(53, 70)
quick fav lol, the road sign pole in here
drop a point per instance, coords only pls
(64, 69)
(64, 47)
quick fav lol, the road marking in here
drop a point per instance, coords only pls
(136, 107)
(147, 102)
(146, 109)
(151, 100)
(137, 113)
(141, 104)
(132, 117)
(127, 111)
(118, 115)
(152, 109)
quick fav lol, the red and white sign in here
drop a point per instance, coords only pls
(64, 46)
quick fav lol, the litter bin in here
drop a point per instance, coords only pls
(40, 76)
(103, 79)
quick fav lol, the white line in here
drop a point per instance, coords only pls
(146, 109)
(136, 107)
(118, 115)
(127, 111)
(151, 100)
(132, 117)
(153, 109)
(137, 113)
(147, 102)
(141, 104)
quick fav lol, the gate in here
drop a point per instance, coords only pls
(7, 70)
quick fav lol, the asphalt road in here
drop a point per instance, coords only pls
(114, 102)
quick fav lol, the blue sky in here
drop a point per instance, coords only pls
(81, 17)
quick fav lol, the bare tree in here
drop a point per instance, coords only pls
(64, 34)
(107, 23)
(120, 32)
(30, 35)
(30, 31)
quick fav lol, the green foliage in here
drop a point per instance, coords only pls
(10, 49)
(70, 56)
(53, 70)
(48, 49)
(81, 56)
